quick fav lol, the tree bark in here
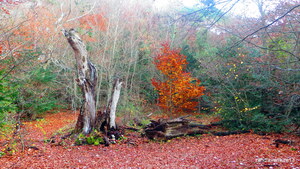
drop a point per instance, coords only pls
(87, 80)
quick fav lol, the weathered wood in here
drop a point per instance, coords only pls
(166, 129)
(87, 80)
(130, 128)
(280, 141)
(113, 104)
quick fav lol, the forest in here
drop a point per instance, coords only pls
(149, 84)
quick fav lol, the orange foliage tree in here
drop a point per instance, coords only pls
(179, 92)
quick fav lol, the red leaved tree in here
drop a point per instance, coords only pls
(179, 92)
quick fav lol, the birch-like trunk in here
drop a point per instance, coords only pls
(114, 102)
(87, 80)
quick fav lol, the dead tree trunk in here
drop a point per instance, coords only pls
(87, 80)
(113, 104)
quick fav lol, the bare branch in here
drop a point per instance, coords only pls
(217, 20)
(83, 14)
(261, 47)
(277, 67)
(264, 27)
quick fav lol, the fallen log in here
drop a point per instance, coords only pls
(288, 142)
(167, 129)
(130, 128)
(277, 142)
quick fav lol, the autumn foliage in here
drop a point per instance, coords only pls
(179, 91)
(93, 21)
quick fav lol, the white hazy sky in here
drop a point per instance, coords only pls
(243, 8)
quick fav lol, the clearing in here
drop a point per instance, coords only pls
(205, 151)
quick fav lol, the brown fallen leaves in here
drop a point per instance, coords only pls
(206, 151)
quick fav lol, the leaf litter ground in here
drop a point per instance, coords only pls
(205, 151)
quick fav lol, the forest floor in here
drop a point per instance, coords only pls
(204, 151)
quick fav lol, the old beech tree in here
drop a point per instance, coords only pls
(88, 118)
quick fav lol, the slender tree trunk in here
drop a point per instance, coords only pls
(87, 80)
(113, 104)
